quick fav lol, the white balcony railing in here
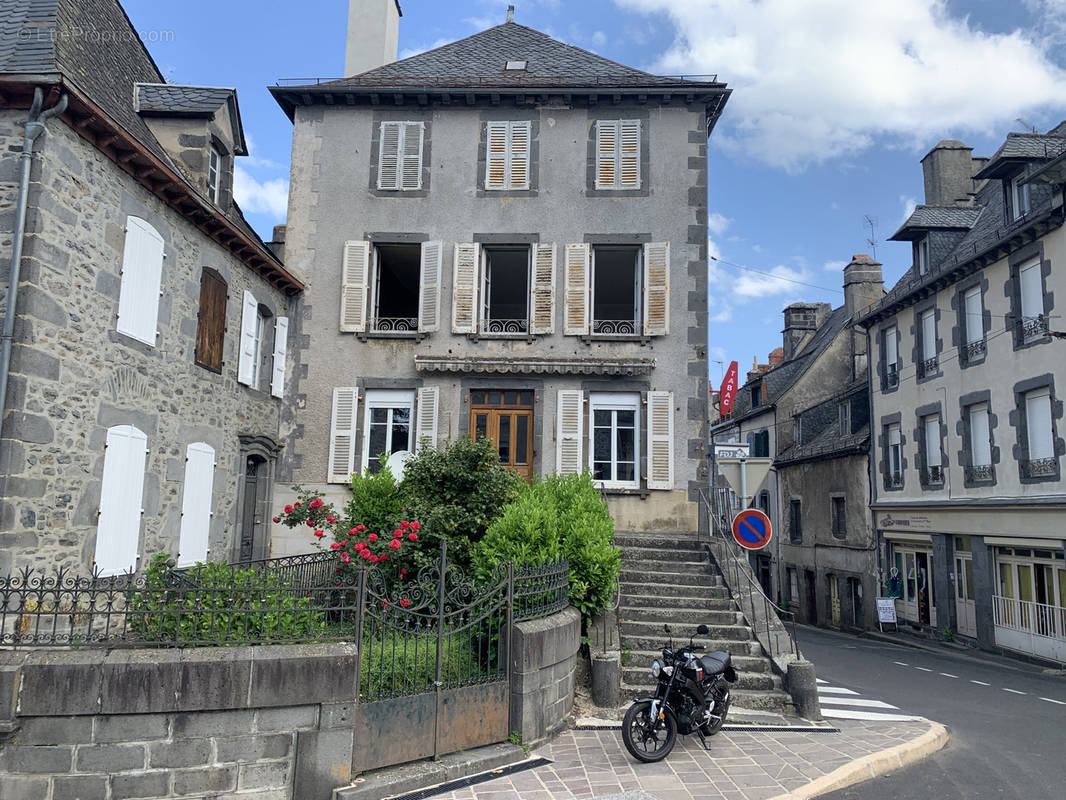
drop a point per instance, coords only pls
(1035, 628)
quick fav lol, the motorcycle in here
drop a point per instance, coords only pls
(691, 696)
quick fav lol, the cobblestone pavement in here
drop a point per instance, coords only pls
(741, 765)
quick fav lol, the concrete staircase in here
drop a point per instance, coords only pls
(669, 579)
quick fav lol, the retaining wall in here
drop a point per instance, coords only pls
(543, 658)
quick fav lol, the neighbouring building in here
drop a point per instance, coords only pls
(967, 381)
(505, 237)
(149, 356)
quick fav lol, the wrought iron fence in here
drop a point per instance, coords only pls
(541, 591)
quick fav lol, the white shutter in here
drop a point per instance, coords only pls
(355, 272)
(975, 326)
(248, 346)
(656, 288)
(142, 271)
(1031, 294)
(660, 440)
(118, 529)
(629, 154)
(980, 445)
(932, 441)
(429, 287)
(411, 169)
(342, 435)
(607, 154)
(281, 349)
(568, 431)
(426, 419)
(389, 155)
(1038, 424)
(891, 352)
(542, 289)
(928, 335)
(464, 288)
(196, 505)
(518, 156)
(576, 299)
(496, 155)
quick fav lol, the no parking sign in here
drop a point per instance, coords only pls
(752, 529)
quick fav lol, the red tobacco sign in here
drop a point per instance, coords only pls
(728, 390)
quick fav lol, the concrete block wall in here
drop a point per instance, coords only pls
(543, 659)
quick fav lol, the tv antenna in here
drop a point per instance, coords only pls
(871, 223)
(1029, 127)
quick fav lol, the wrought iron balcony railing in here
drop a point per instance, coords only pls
(979, 473)
(1040, 467)
(933, 476)
(931, 366)
(894, 480)
(1033, 327)
(506, 326)
(395, 324)
(614, 327)
(974, 351)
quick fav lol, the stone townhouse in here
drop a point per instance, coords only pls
(967, 382)
(505, 237)
(150, 344)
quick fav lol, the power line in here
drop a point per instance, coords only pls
(775, 277)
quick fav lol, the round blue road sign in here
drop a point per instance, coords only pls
(752, 529)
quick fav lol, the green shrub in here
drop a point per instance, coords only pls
(402, 664)
(375, 501)
(527, 532)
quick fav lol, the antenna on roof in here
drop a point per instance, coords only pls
(872, 241)
(1030, 128)
(510, 13)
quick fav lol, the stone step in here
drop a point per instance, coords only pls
(661, 540)
(712, 598)
(741, 663)
(681, 615)
(738, 646)
(756, 681)
(664, 553)
(666, 569)
(773, 700)
(677, 579)
(680, 633)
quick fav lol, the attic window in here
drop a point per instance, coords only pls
(516, 65)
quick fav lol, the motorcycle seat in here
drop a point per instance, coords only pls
(717, 661)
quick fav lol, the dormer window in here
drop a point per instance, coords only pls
(214, 172)
(515, 66)
(1019, 196)
(921, 256)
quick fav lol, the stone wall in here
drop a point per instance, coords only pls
(543, 658)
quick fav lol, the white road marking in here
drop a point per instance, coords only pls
(980, 683)
(901, 663)
(948, 675)
(847, 713)
(1056, 702)
(1013, 691)
(856, 701)
(821, 681)
(834, 690)
(924, 669)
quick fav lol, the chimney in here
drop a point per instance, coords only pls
(373, 35)
(277, 244)
(948, 171)
(863, 285)
(776, 357)
(801, 321)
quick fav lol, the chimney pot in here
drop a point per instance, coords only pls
(510, 13)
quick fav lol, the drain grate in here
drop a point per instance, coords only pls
(473, 780)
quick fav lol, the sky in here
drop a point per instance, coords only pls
(815, 158)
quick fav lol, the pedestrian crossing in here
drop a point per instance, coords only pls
(840, 703)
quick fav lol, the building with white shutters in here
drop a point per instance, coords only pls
(968, 365)
(505, 237)
(150, 331)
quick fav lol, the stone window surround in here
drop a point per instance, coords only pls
(405, 114)
(795, 532)
(506, 383)
(508, 115)
(609, 239)
(917, 351)
(225, 169)
(1017, 419)
(1012, 291)
(373, 384)
(628, 387)
(882, 330)
(964, 455)
(217, 275)
(616, 113)
(920, 413)
(958, 330)
(832, 530)
(886, 420)
(266, 450)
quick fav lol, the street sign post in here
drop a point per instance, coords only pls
(752, 529)
(744, 474)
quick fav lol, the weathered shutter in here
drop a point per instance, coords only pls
(211, 325)
(660, 440)
(1038, 424)
(389, 156)
(656, 288)
(196, 503)
(464, 288)
(568, 431)
(629, 154)
(118, 528)
(606, 154)
(411, 170)
(355, 273)
(246, 361)
(281, 349)
(576, 300)
(342, 435)
(496, 155)
(429, 287)
(142, 271)
(426, 418)
(542, 289)
(518, 156)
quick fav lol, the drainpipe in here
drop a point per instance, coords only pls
(34, 128)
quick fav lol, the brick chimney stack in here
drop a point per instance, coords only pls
(948, 171)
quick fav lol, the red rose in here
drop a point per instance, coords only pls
(405, 602)
(277, 520)
(335, 546)
(416, 526)
(353, 531)
(360, 546)
(412, 536)
(364, 553)
(404, 525)
(316, 503)
(288, 509)
(395, 544)
(346, 558)
(319, 534)
(373, 559)
(373, 537)
(385, 603)
(396, 534)
(360, 528)
(403, 572)
(331, 519)
(344, 543)
(383, 557)
(297, 504)
(310, 523)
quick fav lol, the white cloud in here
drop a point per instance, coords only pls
(908, 204)
(717, 223)
(725, 315)
(253, 159)
(599, 38)
(815, 81)
(779, 280)
(834, 266)
(266, 197)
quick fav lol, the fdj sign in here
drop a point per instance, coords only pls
(752, 529)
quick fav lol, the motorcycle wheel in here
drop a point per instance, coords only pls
(711, 728)
(644, 741)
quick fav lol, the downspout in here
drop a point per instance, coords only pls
(34, 128)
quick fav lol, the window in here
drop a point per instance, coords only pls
(797, 431)
(838, 519)
(387, 426)
(142, 273)
(616, 290)
(211, 321)
(894, 476)
(505, 289)
(616, 294)
(921, 256)
(214, 172)
(1041, 459)
(118, 527)
(890, 364)
(756, 395)
(928, 365)
(980, 468)
(400, 156)
(795, 522)
(1031, 295)
(196, 503)
(844, 418)
(506, 417)
(515, 284)
(933, 473)
(515, 65)
(507, 157)
(255, 330)
(281, 349)
(618, 154)
(394, 287)
(391, 288)
(973, 325)
(759, 444)
(1019, 195)
(614, 434)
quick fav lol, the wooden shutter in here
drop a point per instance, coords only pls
(607, 154)
(576, 300)
(389, 155)
(660, 440)
(568, 431)
(542, 289)
(118, 528)
(281, 349)
(196, 503)
(142, 271)
(248, 346)
(411, 168)
(342, 435)
(656, 288)
(429, 287)
(518, 155)
(211, 321)
(496, 155)
(426, 418)
(629, 154)
(355, 274)
(464, 288)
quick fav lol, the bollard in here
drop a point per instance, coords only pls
(607, 679)
(803, 686)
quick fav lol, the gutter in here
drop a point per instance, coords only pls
(34, 128)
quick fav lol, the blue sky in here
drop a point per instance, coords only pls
(834, 104)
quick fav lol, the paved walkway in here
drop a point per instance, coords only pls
(741, 765)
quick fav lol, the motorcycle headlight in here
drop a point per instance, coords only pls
(656, 668)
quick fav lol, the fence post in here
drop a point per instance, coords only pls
(437, 683)
(360, 601)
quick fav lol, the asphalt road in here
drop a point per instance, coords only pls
(1007, 719)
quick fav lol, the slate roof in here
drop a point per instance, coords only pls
(828, 443)
(165, 98)
(926, 218)
(1020, 147)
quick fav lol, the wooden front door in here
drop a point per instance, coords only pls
(506, 417)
